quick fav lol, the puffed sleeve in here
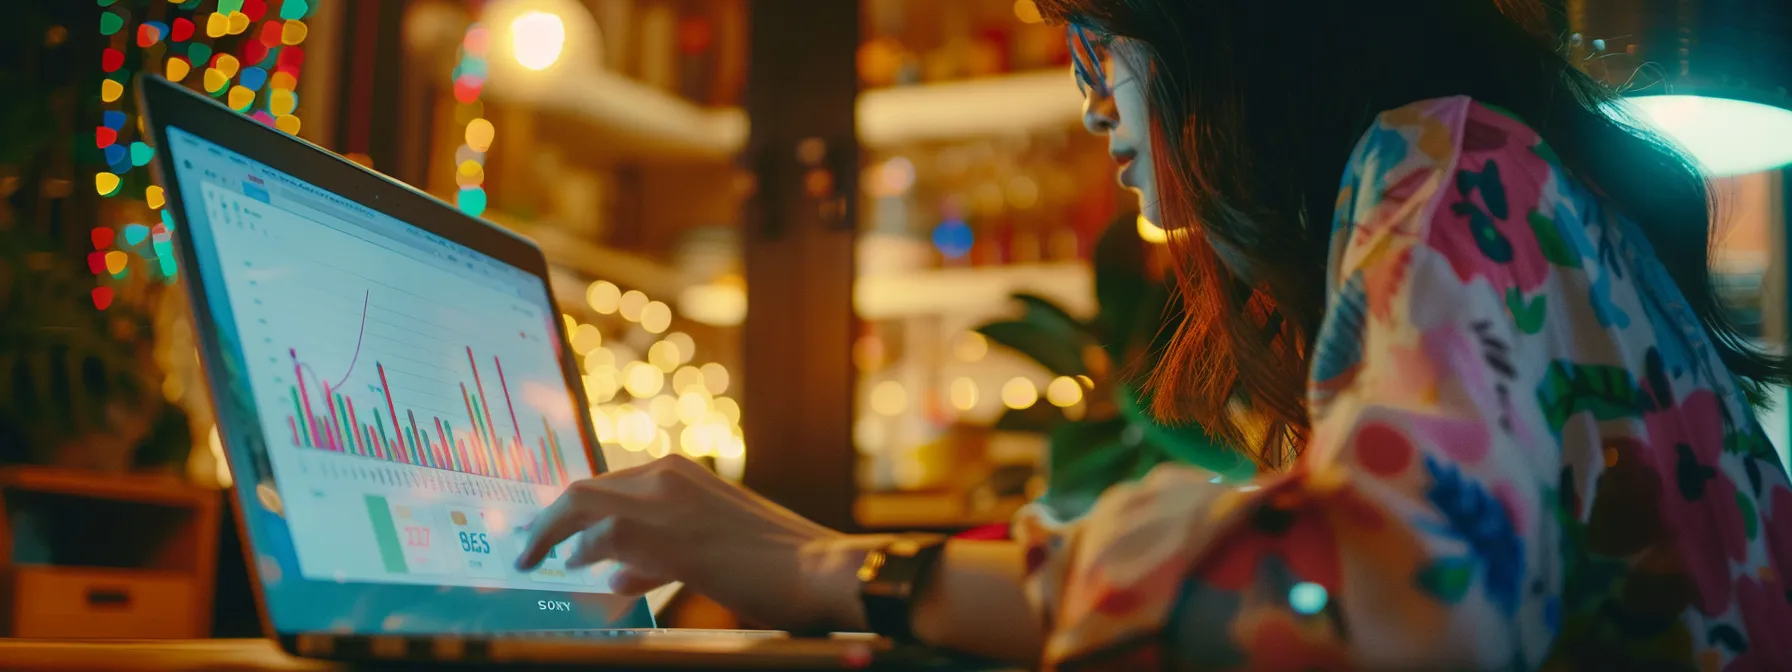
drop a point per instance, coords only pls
(1412, 531)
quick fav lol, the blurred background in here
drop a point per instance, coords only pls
(786, 235)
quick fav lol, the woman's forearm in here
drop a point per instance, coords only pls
(976, 603)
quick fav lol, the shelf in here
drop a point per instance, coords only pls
(997, 106)
(972, 291)
(633, 119)
(638, 120)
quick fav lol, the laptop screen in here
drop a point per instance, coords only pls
(412, 407)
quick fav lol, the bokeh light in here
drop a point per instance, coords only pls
(537, 39)
(1019, 393)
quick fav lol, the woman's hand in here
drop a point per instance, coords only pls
(672, 520)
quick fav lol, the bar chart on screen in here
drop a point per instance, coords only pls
(376, 367)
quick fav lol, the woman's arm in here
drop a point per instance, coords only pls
(974, 603)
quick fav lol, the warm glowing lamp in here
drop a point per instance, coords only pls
(537, 36)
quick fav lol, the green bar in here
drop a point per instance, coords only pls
(386, 446)
(386, 533)
(498, 467)
(454, 455)
(298, 416)
(347, 429)
(416, 448)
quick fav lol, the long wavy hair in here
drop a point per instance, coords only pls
(1255, 108)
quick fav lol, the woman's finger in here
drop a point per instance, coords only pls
(631, 581)
(595, 545)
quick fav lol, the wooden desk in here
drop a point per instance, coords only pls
(216, 655)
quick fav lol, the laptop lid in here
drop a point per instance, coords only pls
(394, 391)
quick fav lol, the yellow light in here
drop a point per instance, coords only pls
(105, 183)
(663, 355)
(239, 22)
(686, 378)
(715, 378)
(480, 134)
(603, 425)
(964, 394)
(177, 69)
(733, 449)
(241, 97)
(228, 65)
(571, 323)
(630, 305)
(537, 38)
(635, 429)
(601, 386)
(110, 90)
(600, 359)
(1152, 233)
(687, 347)
(603, 297)
(217, 450)
(283, 80)
(470, 167)
(656, 317)
(115, 261)
(293, 32)
(971, 346)
(662, 445)
(693, 407)
(888, 398)
(664, 410)
(642, 380)
(154, 197)
(1019, 393)
(215, 80)
(729, 409)
(586, 338)
(217, 25)
(282, 102)
(1088, 383)
(287, 123)
(1027, 12)
(1064, 392)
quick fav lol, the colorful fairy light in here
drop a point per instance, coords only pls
(246, 53)
(469, 160)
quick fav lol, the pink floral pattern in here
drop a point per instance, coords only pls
(1524, 455)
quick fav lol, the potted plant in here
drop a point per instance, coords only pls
(1116, 440)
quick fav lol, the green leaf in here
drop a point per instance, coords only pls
(1448, 579)
(1042, 312)
(1085, 460)
(1057, 354)
(1187, 444)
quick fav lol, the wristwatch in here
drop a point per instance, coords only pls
(892, 577)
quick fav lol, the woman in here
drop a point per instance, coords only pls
(1514, 427)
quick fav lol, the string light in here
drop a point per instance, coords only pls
(180, 42)
(469, 81)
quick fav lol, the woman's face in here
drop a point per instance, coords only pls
(1114, 105)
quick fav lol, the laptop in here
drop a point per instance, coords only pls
(396, 398)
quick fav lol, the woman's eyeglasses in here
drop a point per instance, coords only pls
(1087, 56)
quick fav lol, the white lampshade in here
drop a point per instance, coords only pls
(1726, 136)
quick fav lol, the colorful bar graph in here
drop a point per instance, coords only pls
(332, 423)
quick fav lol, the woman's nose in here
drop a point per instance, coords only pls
(1099, 114)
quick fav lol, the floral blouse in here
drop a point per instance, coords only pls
(1525, 454)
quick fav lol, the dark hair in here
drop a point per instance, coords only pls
(1255, 108)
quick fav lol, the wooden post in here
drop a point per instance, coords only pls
(802, 86)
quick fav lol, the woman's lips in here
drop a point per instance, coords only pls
(1123, 157)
